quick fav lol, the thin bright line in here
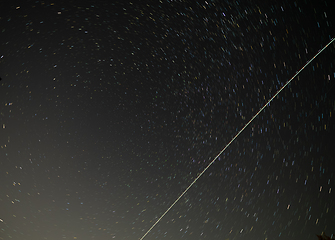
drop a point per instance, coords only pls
(246, 125)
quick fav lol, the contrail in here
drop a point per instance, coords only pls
(245, 126)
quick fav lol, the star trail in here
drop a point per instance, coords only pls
(109, 110)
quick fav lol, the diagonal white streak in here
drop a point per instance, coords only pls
(245, 126)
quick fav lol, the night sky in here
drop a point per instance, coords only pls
(109, 110)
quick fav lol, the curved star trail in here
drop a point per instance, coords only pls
(109, 110)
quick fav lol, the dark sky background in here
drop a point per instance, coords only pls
(110, 109)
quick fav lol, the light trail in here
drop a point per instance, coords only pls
(232, 140)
